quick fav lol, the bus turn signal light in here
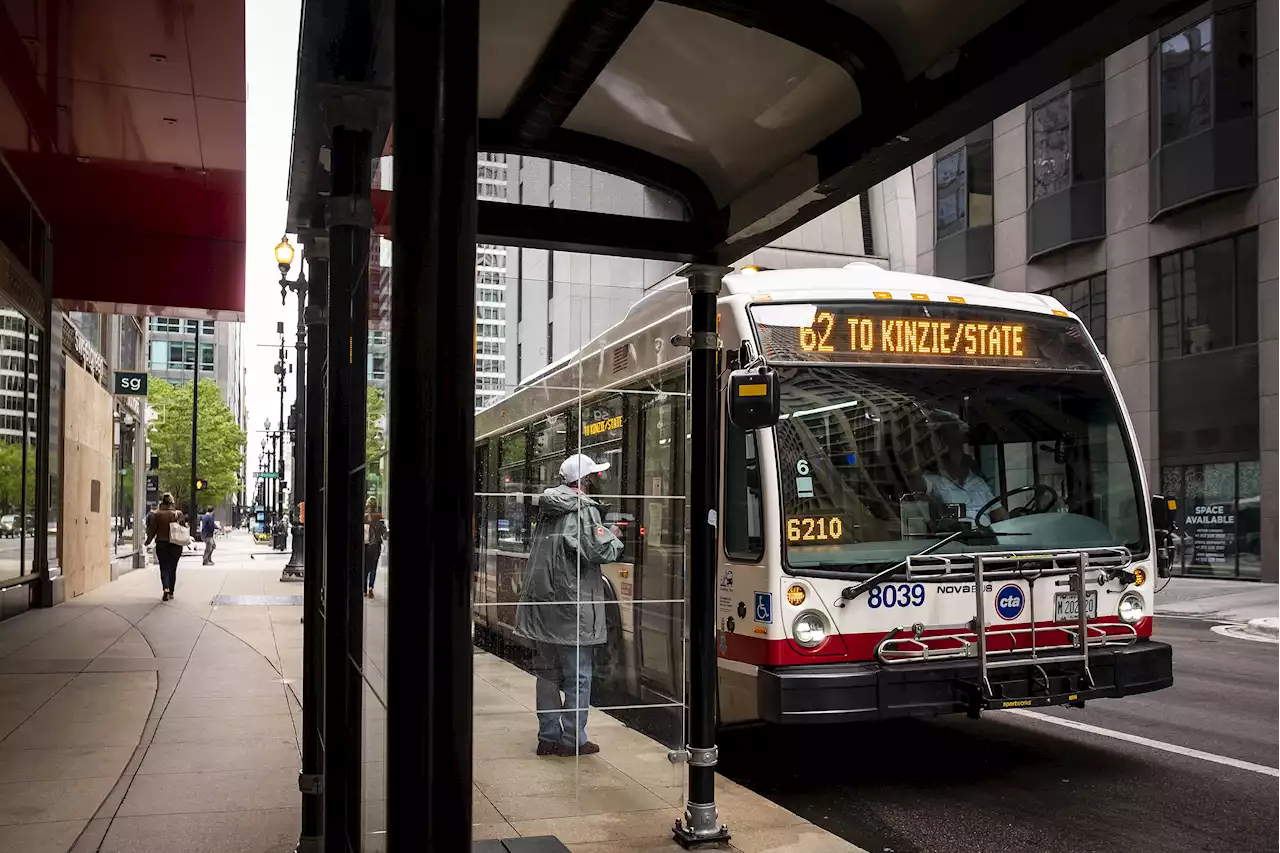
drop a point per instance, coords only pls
(795, 595)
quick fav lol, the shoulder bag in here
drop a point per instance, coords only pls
(179, 535)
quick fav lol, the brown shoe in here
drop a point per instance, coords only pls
(587, 748)
(546, 747)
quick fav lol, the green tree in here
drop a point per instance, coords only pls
(375, 431)
(219, 446)
(375, 439)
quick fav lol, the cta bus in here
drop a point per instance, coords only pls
(949, 513)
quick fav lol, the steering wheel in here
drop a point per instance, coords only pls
(1031, 507)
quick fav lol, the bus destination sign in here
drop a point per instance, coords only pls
(910, 336)
(898, 333)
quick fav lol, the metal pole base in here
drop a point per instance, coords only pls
(700, 827)
(295, 568)
(308, 844)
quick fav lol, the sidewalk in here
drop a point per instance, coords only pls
(1218, 600)
(131, 726)
(128, 725)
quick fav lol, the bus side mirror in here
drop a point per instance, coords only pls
(1162, 519)
(753, 398)
(1162, 513)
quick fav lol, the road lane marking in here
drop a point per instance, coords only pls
(1148, 742)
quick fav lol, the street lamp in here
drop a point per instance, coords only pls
(295, 568)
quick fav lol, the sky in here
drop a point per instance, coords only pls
(271, 29)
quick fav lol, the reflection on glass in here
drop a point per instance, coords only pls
(13, 439)
(950, 194)
(1186, 81)
(579, 594)
(1219, 518)
(1051, 146)
(377, 541)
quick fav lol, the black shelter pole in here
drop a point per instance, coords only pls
(432, 427)
(309, 780)
(349, 216)
(701, 821)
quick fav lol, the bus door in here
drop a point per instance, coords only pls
(660, 585)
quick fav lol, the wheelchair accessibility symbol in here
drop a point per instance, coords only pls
(764, 607)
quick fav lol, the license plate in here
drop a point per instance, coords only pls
(1066, 606)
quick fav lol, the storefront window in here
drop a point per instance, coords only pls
(19, 375)
(1219, 518)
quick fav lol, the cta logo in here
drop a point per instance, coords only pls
(1009, 602)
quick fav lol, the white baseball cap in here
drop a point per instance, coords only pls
(578, 466)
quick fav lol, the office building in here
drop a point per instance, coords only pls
(1142, 194)
(171, 348)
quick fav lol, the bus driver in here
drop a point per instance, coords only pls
(956, 481)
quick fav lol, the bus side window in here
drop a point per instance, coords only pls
(743, 506)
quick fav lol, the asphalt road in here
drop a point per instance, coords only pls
(1011, 782)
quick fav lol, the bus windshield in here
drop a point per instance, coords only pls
(877, 462)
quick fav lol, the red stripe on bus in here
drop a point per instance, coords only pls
(852, 648)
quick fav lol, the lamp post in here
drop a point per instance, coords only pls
(296, 567)
(269, 448)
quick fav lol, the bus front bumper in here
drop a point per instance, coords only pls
(851, 692)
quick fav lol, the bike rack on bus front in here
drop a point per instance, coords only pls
(970, 640)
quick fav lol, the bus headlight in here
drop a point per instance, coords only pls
(809, 629)
(1131, 608)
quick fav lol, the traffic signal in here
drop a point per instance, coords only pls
(155, 463)
(201, 485)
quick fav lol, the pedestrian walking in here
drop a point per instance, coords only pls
(561, 608)
(208, 530)
(375, 530)
(168, 527)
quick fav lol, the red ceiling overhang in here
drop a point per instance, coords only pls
(142, 178)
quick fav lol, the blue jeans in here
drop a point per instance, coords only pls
(567, 670)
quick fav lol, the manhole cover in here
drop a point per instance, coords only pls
(258, 600)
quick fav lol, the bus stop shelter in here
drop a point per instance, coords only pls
(753, 117)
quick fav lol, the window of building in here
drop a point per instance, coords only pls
(1209, 296)
(1186, 82)
(519, 362)
(965, 189)
(952, 209)
(1087, 299)
(1207, 74)
(1051, 147)
(551, 337)
(1218, 516)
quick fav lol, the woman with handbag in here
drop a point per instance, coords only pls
(375, 530)
(168, 527)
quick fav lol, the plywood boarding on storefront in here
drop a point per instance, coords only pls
(87, 454)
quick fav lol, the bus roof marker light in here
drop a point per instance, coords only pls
(882, 294)
(920, 297)
(1058, 313)
(959, 300)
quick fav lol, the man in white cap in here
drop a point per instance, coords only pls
(562, 605)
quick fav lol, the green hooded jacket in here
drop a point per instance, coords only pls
(562, 592)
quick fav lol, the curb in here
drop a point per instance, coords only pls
(1268, 627)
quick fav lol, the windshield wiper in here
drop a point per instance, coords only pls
(849, 593)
